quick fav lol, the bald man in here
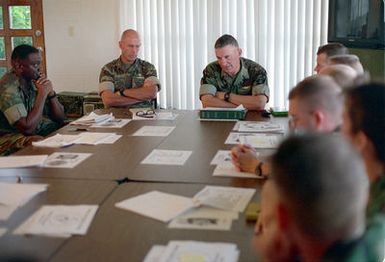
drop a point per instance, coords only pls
(128, 81)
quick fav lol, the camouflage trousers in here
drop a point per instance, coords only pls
(10, 143)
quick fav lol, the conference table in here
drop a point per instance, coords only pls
(113, 173)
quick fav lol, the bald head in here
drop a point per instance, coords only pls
(343, 75)
(130, 33)
(129, 45)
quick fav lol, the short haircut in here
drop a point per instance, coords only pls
(23, 51)
(333, 49)
(322, 182)
(320, 92)
(226, 40)
(366, 109)
(350, 60)
(344, 75)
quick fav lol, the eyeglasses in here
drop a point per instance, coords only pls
(146, 114)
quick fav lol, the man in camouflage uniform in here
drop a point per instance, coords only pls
(321, 189)
(128, 81)
(29, 107)
(233, 80)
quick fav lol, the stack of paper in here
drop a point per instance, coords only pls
(154, 131)
(258, 127)
(159, 115)
(86, 138)
(254, 140)
(22, 161)
(177, 251)
(59, 221)
(225, 167)
(13, 196)
(91, 119)
(212, 208)
(65, 159)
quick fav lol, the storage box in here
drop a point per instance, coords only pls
(222, 114)
(72, 103)
(92, 102)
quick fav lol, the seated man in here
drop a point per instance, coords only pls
(344, 75)
(321, 195)
(233, 80)
(29, 107)
(316, 105)
(326, 51)
(350, 60)
(128, 81)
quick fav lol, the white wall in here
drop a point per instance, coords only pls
(80, 37)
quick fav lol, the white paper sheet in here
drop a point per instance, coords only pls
(255, 140)
(154, 131)
(12, 194)
(258, 127)
(93, 138)
(65, 159)
(155, 253)
(2, 231)
(92, 118)
(227, 198)
(222, 157)
(204, 218)
(110, 139)
(232, 171)
(177, 251)
(157, 205)
(112, 123)
(167, 157)
(22, 161)
(7, 211)
(59, 221)
(57, 140)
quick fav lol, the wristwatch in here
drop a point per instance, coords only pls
(121, 92)
(227, 96)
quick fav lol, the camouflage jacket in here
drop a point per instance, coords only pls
(369, 247)
(117, 76)
(376, 202)
(16, 103)
(250, 80)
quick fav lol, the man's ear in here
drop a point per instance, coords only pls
(319, 118)
(239, 51)
(360, 140)
(283, 217)
(17, 65)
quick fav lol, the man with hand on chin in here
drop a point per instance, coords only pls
(29, 108)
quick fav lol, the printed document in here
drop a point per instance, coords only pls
(177, 251)
(167, 157)
(204, 218)
(59, 221)
(258, 127)
(227, 198)
(65, 159)
(154, 131)
(254, 140)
